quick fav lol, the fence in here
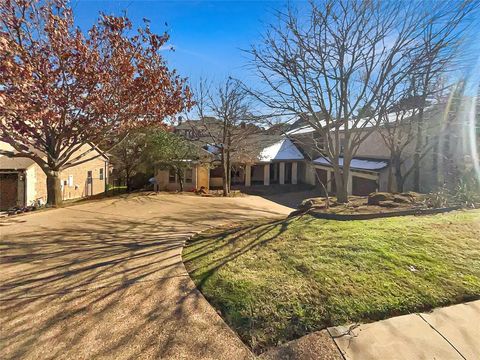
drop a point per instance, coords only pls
(116, 186)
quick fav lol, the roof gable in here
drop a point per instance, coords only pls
(281, 150)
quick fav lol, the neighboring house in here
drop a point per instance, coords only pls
(23, 182)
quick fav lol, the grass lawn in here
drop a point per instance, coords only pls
(278, 280)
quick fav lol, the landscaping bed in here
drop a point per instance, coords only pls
(276, 281)
(375, 203)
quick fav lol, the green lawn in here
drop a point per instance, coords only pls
(278, 280)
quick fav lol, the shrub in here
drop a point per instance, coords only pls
(466, 194)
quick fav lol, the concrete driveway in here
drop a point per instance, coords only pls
(105, 279)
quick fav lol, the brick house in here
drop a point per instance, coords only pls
(23, 182)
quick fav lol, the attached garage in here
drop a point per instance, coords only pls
(365, 175)
(363, 186)
(11, 190)
(23, 182)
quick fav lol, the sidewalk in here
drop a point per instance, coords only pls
(449, 333)
(446, 333)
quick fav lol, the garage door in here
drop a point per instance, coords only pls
(8, 191)
(362, 186)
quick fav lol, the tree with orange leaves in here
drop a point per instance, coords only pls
(62, 89)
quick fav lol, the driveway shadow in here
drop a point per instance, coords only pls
(106, 280)
(292, 199)
(112, 287)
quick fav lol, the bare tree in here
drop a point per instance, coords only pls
(226, 123)
(442, 34)
(398, 133)
(340, 68)
(409, 122)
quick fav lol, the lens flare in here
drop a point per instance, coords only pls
(469, 117)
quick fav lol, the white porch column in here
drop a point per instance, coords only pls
(281, 178)
(248, 175)
(294, 173)
(266, 174)
(329, 181)
(350, 184)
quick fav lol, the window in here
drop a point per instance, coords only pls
(89, 177)
(171, 176)
(101, 174)
(70, 180)
(188, 175)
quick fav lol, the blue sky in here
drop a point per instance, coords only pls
(207, 35)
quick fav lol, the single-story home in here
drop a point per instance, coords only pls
(23, 182)
(278, 162)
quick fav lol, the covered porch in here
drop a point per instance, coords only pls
(278, 164)
(281, 172)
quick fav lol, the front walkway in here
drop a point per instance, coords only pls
(105, 279)
(450, 333)
(445, 334)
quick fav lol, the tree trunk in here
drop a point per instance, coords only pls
(396, 169)
(342, 193)
(341, 187)
(435, 167)
(127, 181)
(229, 172)
(399, 178)
(180, 179)
(54, 189)
(390, 177)
(418, 150)
(224, 173)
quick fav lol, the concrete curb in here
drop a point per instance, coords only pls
(348, 217)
